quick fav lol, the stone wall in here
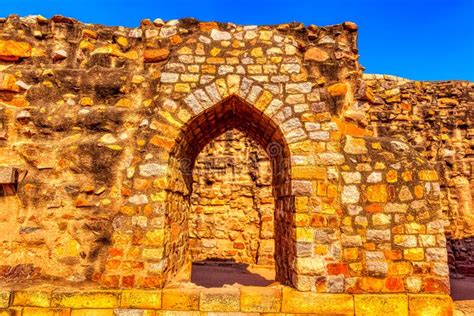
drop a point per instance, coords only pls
(232, 202)
(102, 126)
(437, 119)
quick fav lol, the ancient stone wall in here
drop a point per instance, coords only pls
(232, 202)
(437, 119)
(102, 126)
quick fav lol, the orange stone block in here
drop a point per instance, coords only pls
(374, 208)
(155, 55)
(394, 284)
(392, 176)
(377, 193)
(337, 89)
(208, 26)
(12, 50)
(432, 285)
(338, 268)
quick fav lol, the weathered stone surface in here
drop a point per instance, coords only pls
(11, 50)
(261, 300)
(86, 299)
(420, 304)
(220, 300)
(155, 55)
(388, 304)
(180, 299)
(141, 299)
(316, 303)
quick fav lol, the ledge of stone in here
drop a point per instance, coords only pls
(274, 299)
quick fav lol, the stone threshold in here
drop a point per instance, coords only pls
(272, 300)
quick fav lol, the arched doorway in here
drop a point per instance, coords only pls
(231, 113)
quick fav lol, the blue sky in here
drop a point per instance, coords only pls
(416, 39)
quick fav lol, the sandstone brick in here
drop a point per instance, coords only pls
(426, 305)
(180, 299)
(260, 299)
(33, 298)
(34, 311)
(141, 299)
(381, 304)
(4, 298)
(86, 299)
(220, 300)
(317, 303)
(92, 312)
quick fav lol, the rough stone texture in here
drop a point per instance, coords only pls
(106, 124)
(232, 203)
(434, 117)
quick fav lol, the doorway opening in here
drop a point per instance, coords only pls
(231, 223)
(240, 220)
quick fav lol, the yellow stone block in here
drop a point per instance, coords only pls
(301, 204)
(93, 312)
(35, 311)
(428, 175)
(141, 299)
(260, 299)
(222, 87)
(4, 299)
(318, 303)
(180, 299)
(304, 234)
(414, 254)
(152, 253)
(220, 300)
(264, 100)
(182, 87)
(10, 312)
(233, 82)
(430, 305)
(32, 298)
(256, 52)
(381, 304)
(309, 172)
(86, 299)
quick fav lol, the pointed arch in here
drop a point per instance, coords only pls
(230, 112)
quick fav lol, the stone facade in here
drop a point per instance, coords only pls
(104, 126)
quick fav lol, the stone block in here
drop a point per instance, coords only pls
(220, 300)
(135, 312)
(37, 311)
(86, 299)
(32, 298)
(381, 304)
(4, 299)
(427, 305)
(92, 312)
(260, 299)
(141, 299)
(317, 303)
(180, 299)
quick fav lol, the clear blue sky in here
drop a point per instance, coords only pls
(416, 39)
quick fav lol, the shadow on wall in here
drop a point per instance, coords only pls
(217, 274)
